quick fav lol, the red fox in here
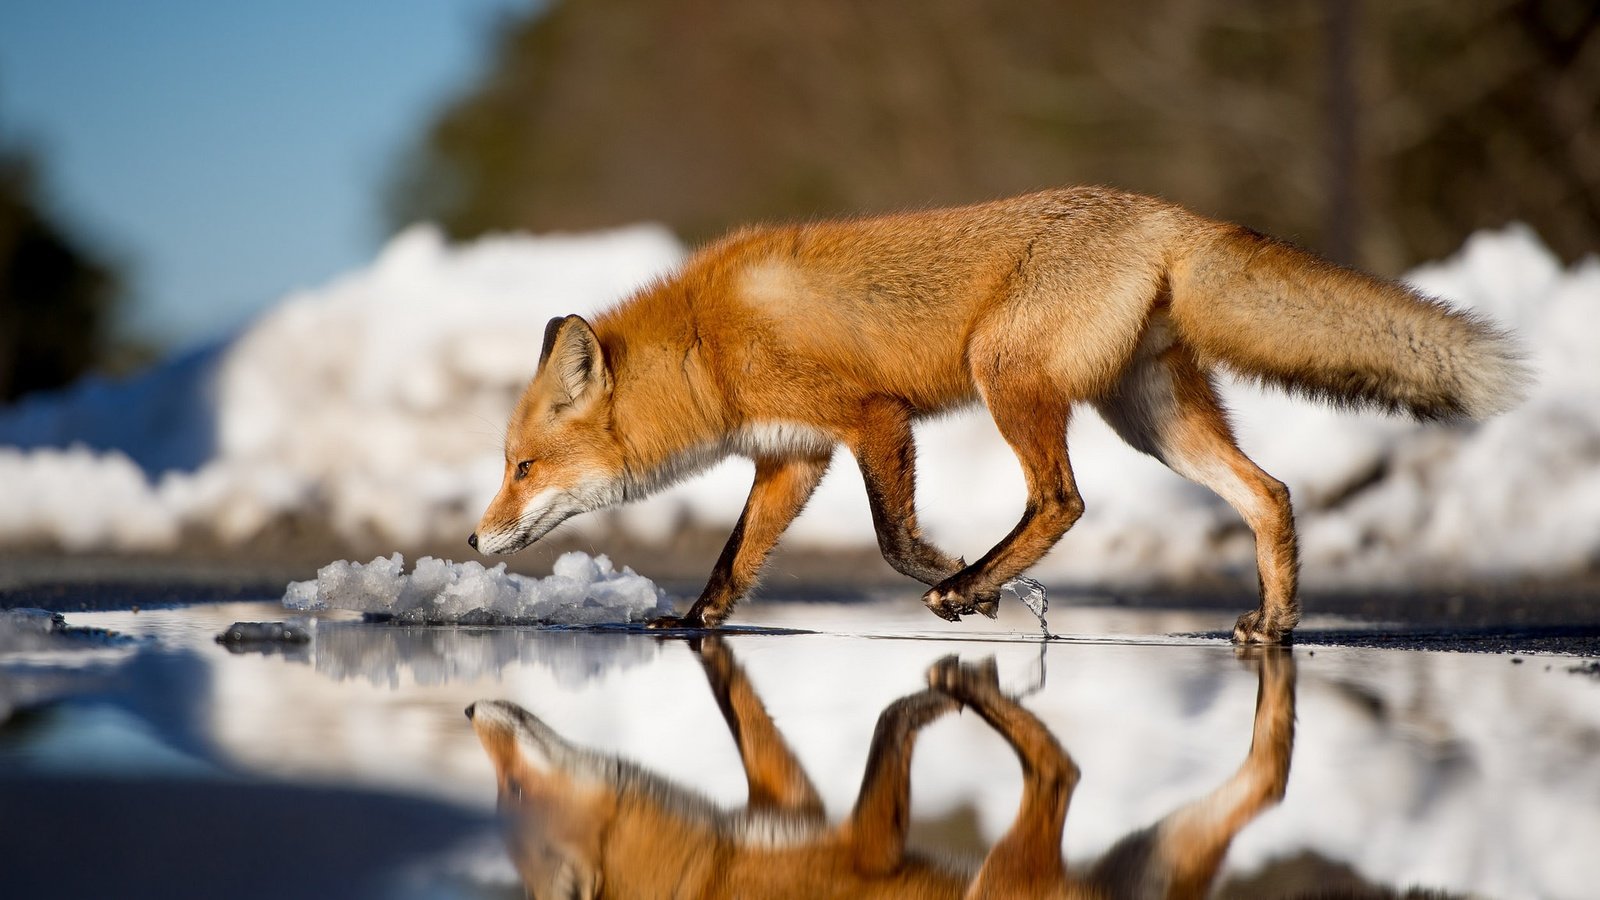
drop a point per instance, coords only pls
(581, 824)
(780, 343)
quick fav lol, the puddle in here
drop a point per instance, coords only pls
(168, 764)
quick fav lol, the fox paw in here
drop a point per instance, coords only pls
(1254, 627)
(951, 603)
(675, 623)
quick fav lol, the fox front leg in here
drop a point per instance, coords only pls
(1034, 423)
(781, 489)
(885, 449)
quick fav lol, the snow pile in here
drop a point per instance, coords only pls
(82, 500)
(582, 590)
(1519, 493)
(373, 406)
(164, 419)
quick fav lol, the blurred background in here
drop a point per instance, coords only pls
(183, 186)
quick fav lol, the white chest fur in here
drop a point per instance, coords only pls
(780, 439)
(755, 440)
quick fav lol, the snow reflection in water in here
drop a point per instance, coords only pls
(1457, 771)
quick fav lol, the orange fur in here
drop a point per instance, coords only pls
(780, 343)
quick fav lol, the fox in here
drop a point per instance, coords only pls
(782, 342)
(582, 824)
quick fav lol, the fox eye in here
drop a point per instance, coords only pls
(522, 468)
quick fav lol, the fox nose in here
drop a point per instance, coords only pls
(470, 708)
(472, 540)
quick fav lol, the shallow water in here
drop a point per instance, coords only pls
(170, 765)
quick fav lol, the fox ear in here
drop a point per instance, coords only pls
(579, 372)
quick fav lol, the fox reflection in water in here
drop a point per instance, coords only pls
(584, 824)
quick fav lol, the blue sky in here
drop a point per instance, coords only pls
(228, 152)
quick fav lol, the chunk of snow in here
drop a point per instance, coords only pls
(583, 590)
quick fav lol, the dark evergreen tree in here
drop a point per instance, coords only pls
(55, 298)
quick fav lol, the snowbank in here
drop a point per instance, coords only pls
(582, 590)
(374, 404)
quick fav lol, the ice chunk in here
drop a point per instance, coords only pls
(301, 595)
(583, 590)
(30, 621)
(23, 630)
(581, 566)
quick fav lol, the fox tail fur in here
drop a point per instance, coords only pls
(1269, 311)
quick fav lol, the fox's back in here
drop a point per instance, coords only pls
(943, 263)
(889, 303)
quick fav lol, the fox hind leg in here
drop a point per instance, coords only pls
(1167, 407)
(1192, 841)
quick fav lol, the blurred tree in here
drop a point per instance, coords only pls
(55, 299)
(1439, 116)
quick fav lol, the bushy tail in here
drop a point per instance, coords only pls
(1273, 312)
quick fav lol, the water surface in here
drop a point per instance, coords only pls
(166, 764)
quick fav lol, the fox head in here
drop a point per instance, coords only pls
(561, 457)
(555, 817)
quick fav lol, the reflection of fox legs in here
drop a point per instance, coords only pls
(1191, 841)
(877, 828)
(582, 824)
(1180, 855)
(776, 780)
(1027, 860)
(1185, 849)
(875, 832)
